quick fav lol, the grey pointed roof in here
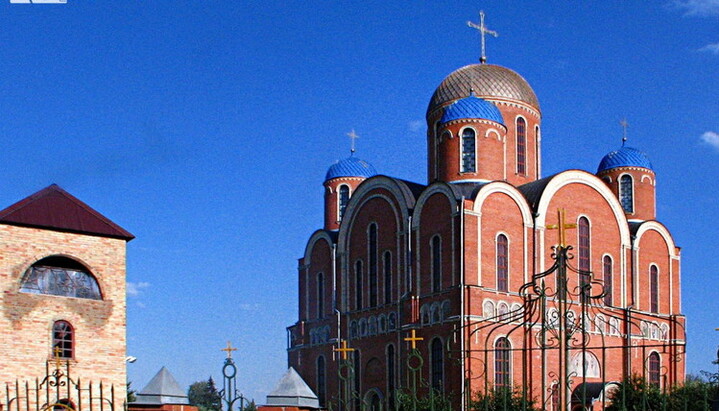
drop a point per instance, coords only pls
(162, 389)
(293, 391)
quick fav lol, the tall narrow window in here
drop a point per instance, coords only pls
(654, 367)
(584, 253)
(437, 358)
(344, 199)
(387, 277)
(502, 364)
(469, 164)
(521, 146)
(321, 383)
(654, 288)
(390, 376)
(357, 378)
(607, 280)
(320, 295)
(626, 193)
(436, 264)
(372, 265)
(62, 339)
(358, 285)
(502, 263)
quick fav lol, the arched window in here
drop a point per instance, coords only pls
(521, 146)
(63, 405)
(654, 367)
(390, 375)
(372, 265)
(321, 383)
(469, 164)
(436, 246)
(654, 289)
(357, 377)
(387, 277)
(502, 364)
(437, 358)
(584, 252)
(502, 263)
(344, 199)
(320, 295)
(358, 285)
(607, 264)
(63, 336)
(626, 193)
(60, 276)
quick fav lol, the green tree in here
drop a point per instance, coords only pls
(434, 400)
(204, 395)
(250, 406)
(634, 393)
(502, 399)
(131, 393)
(694, 394)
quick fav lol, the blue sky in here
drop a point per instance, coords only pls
(205, 129)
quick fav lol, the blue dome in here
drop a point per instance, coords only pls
(472, 107)
(350, 167)
(624, 157)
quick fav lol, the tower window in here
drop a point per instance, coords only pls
(390, 375)
(372, 265)
(469, 164)
(320, 295)
(344, 199)
(60, 276)
(626, 193)
(654, 289)
(607, 263)
(584, 252)
(321, 383)
(436, 246)
(502, 263)
(387, 277)
(502, 364)
(62, 340)
(521, 146)
(654, 367)
(437, 364)
(358, 285)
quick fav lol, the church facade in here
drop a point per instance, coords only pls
(466, 262)
(62, 274)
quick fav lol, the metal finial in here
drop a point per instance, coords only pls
(353, 136)
(624, 125)
(482, 31)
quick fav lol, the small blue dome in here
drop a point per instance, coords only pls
(350, 167)
(624, 157)
(472, 107)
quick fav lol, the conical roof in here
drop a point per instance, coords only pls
(293, 391)
(162, 389)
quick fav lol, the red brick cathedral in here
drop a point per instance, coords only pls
(466, 262)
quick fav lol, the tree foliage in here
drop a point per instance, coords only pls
(204, 395)
(502, 399)
(433, 400)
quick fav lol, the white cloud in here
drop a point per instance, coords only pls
(415, 126)
(711, 48)
(249, 307)
(711, 138)
(134, 289)
(699, 7)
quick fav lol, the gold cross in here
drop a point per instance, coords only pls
(56, 351)
(561, 226)
(624, 125)
(482, 31)
(229, 350)
(353, 136)
(344, 349)
(413, 339)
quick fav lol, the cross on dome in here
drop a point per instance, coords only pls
(353, 136)
(482, 31)
(624, 125)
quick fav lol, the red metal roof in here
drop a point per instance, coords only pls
(56, 209)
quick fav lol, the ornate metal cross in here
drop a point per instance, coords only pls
(56, 354)
(353, 136)
(482, 31)
(344, 349)
(562, 227)
(413, 339)
(229, 349)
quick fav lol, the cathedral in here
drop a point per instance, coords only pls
(493, 276)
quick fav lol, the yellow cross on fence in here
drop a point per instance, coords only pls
(561, 226)
(56, 354)
(413, 339)
(229, 349)
(344, 349)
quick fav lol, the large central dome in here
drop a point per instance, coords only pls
(487, 81)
